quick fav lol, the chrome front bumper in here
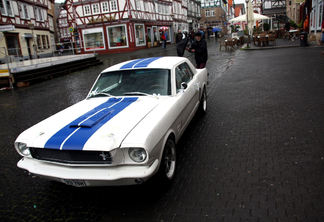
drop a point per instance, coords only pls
(89, 175)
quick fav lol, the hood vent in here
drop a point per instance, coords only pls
(92, 120)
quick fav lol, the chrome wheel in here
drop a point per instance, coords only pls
(204, 105)
(169, 160)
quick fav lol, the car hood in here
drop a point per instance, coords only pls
(93, 124)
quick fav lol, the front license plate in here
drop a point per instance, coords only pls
(76, 183)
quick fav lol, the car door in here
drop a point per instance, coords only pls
(195, 87)
(186, 96)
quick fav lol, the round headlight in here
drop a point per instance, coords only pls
(137, 154)
(22, 149)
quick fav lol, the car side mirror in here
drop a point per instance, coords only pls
(184, 85)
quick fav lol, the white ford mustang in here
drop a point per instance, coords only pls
(125, 131)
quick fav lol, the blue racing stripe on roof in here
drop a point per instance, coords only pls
(146, 62)
(131, 64)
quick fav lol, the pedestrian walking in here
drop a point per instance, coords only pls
(199, 47)
(164, 38)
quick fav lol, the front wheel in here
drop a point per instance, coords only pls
(203, 102)
(168, 162)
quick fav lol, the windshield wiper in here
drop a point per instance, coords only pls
(101, 94)
(136, 93)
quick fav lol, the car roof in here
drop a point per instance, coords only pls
(166, 62)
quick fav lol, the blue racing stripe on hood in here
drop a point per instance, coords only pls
(131, 64)
(146, 62)
(74, 135)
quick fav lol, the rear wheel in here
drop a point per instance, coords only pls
(203, 102)
(168, 162)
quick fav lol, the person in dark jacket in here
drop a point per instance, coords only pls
(199, 47)
(179, 36)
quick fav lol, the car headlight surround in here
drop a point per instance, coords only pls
(22, 149)
(138, 155)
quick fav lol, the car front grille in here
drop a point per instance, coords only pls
(72, 156)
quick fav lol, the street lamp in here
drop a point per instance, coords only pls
(247, 21)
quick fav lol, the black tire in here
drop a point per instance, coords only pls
(168, 163)
(203, 103)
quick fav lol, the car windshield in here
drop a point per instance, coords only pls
(139, 82)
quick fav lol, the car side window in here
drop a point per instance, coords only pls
(188, 70)
(183, 74)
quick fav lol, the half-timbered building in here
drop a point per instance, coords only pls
(105, 26)
(26, 28)
(214, 14)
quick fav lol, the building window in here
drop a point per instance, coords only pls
(320, 15)
(95, 8)
(2, 8)
(93, 39)
(140, 35)
(47, 42)
(87, 10)
(138, 4)
(117, 36)
(105, 7)
(39, 42)
(5, 7)
(207, 13)
(38, 14)
(212, 13)
(113, 5)
(45, 46)
(25, 10)
(21, 11)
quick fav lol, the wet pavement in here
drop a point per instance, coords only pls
(257, 155)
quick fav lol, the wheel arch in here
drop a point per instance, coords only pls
(169, 135)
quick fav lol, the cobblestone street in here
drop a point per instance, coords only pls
(258, 154)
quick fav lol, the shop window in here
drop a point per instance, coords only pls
(87, 10)
(93, 39)
(113, 5)
(166, 31)
(117, 36)
(13, 44)
(140, 34)
(95, 8)
(104, 7)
